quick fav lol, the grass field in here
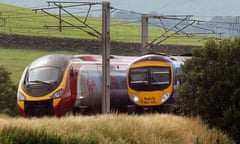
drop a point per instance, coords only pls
(15, 60)
(98, 129)
(114, 129)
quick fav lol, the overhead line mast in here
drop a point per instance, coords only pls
(177, 28)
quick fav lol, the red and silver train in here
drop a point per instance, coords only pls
(59, 84)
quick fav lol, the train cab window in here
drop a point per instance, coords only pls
(139, 76)
(150, 78)
(160, 75)
(44, 74)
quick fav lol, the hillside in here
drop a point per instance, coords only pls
(23, 21)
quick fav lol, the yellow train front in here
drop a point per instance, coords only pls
(45, 87)
(150, 82)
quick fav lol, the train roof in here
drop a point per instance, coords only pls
(152, 57)
(180, 58)
(55, 60)
(62, 60)
(114, 59)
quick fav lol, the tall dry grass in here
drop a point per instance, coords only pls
(122, 129)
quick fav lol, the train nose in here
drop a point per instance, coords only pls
(39, 108)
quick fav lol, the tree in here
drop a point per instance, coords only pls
(211, 85)
(7, 93)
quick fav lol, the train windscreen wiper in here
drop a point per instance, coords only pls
(39, 82)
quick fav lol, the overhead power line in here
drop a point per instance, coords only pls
(63, 8)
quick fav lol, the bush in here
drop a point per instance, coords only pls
(8, 92)
(211, 85)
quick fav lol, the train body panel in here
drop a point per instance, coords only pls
(89, 87)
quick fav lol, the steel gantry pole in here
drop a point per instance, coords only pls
(145, 46)
(106, 56)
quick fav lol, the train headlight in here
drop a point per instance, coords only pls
(165, 97)
(58, 94)
(134, 98)
(20, 97)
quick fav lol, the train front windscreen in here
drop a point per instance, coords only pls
(149, 78)
(44, 74)
(43, 79)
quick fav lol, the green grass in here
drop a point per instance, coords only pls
(18, 20)
(18, 135)
(15, 60)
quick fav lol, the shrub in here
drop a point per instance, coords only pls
(211, 85)
(7, 93)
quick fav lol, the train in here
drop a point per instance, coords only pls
(152, 80)
(59, 84)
